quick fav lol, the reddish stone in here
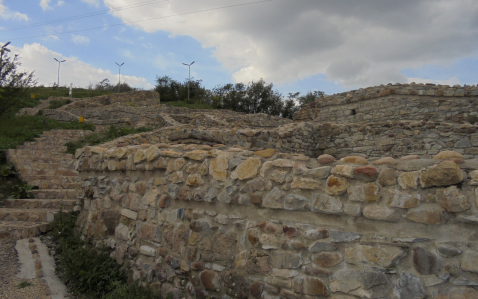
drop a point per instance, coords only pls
(309, 270)
(327, 259)
(256, 289)
(325, 159)
(210, 280)
(269, 228)
(197, 266)
(289, 231)
(163, 201)
(366, 173)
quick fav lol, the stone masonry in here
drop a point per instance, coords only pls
(42, 163)
(230, 222)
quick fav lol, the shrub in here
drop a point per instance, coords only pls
(22, 190)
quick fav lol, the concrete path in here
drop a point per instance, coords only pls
(35, 262)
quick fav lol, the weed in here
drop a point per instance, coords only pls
(58, 103)
(24, 284)
(22, 190)
(7, 171)
(112, 133)
(123, 291)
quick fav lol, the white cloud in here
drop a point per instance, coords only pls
(51, 32)
(38, 58)
(355, 43)
(7, 14)
(60, 3)
(45, 4)
(80, 39)
(452, 81)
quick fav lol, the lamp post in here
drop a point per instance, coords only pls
(189, 80)
(119, 76)
(59, 62)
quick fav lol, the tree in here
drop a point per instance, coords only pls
(309, 97)
(13, 83)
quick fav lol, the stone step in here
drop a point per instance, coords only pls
(65, 204)
(30, 215)
(53, 184)
(54, 193)
(40, 173)
(22, 229)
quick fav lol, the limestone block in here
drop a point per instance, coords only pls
(444, 174)
(176, 177)
(139, 156)
(327, 204)
(295, 202)
(152, 153)
(219, 166)
(428, 214)
(387, 177)
(304, 183)
(364, 193)
(343, 170)
(325, 159)
(274, 199)
(279, 176)
(396, 199)
(129, 214)
(448, 155)
(336, 185)
(267, 153)
(379, 256)
(175, 164)
(319, 172)
(197, 155)
(147, 250)
(452, 200)
(283, 163)
(381, 213)
(409, 180)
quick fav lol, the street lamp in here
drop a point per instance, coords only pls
(59, 62)
(189, 80)
(119, 76)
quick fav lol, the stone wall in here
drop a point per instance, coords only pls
(376, 140)
(229, 222)
(437, 103)
(142, 108)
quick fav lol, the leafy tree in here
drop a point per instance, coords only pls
(168, 89)
(309, 97)
(14, 84)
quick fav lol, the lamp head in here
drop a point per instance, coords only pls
(56, 59)
(192, 63)
(6, 45)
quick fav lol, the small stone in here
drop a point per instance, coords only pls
(409, 180)
(322, 246)
(194, 180)
(387, 177)
(355, 160)
(327, 204)
(381, 213)
(448, 250)
(247, 169)
(267, 153)
(256, 289)
(386, 160)
(274, 199)
(325, 159)
(316, 234)
(448, 155)
(444, 174)
(425, 262)
(366, 173)
(469, 262)
(289, 231)
(410, 286)
(364, 193)
(293, 245)
(336, 185)
(314, 286)
(375, 255)
(397, 199)
(344, 170)
(452, 200)
(210, 280)
(327, 259)
(428, 214)
(197, 155)
(295, 202)
(304, 183)
(319, 172)
(337, 236)
(270, 228)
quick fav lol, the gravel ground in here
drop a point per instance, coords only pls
(9, 267)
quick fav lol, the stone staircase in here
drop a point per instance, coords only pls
(42, 163)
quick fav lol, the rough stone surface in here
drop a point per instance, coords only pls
(364, 193)
(452, 199)
(425, 262)
(444, 174)
(336, 185)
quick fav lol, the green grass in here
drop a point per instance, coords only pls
(23, 284)
(45, 92)
(15, 131)
(196, 105)
(58, 103)
(98, 138)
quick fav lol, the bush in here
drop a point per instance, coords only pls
(57, 104)
(22, 190)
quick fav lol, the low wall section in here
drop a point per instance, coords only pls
(229, 222)
(437, 103)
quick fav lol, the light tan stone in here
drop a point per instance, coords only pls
(448, 155)
(428, 214)
(283, 163)
(175, 164)
(325, 159)
(381, 213)
(171, 154)
(380, 256)
(386, 160)
(473, 178)
(152, 153)
(266, 166)
(444, 174)
(176, 177)
(247, 169)
(194, 180)
(139, 156)
(267, 153)
(343, 170)
(196, 155)
(364, 193)
(218, 167)
(355, 160)
(452, 200)
(279, 175)
(304, 183)
(387, 177)
(122, 153)
(409, 180)
(397, 199)
(336, 185)
(204, 169)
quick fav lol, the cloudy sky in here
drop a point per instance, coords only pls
(298, 45)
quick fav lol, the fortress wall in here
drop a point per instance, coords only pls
(437, 103)
(228, 222)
